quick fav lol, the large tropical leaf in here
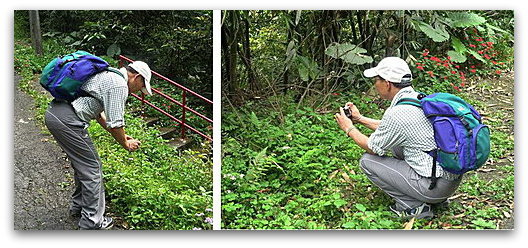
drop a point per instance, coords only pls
(476, 55)
(113, 50)
(458, 45)
(465, 19)
(308, 68)
(437, 34)
(349, 53)
(456, 56)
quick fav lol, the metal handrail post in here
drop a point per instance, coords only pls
(143, 104)
(184, 101)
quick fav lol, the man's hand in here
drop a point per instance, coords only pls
(351, 131)
(356, 115)
(344, 122)
(132, 144)
(126, 141)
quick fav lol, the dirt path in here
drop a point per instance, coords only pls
(42, 177)
(497, 96)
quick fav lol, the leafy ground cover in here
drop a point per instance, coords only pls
(293, 169)
(155, 187)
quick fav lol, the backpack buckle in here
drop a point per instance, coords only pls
(466, 124)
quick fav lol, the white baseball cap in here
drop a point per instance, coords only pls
(144, 70)
(392, 69)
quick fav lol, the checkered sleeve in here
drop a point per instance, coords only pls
(388, 135)
(114, 100)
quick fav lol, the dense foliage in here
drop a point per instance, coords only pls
(303, 173)
(322, 52)
(176, 44)
(155, 187)
(291, 175)
(286, 164)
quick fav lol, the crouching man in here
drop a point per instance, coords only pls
(405, 131)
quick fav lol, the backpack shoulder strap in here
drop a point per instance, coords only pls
(413, 101)
(115, 70)
(416, 102)
(410, 101)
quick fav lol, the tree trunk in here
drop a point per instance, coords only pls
(34, 26)
(253, 86)
(293, 35)
(286, 74)
(353, 28)
(231, 34)
(227, 61)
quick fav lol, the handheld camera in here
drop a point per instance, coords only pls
(347, 111)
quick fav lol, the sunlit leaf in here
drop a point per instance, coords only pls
(349, 53)
(113, 50)
(438, 34)
(465, 19)
(456, 56)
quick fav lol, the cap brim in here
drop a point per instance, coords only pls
(370, 72)
(147, 90)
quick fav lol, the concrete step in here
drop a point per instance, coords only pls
(168, 132)
(179, 143)
(150, 120)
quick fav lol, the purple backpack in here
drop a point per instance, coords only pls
(463, 142)
(64, 76)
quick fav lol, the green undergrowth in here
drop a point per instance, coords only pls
(295, 169)
(301, 173)
(155, 187)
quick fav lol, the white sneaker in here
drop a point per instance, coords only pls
(423, 211)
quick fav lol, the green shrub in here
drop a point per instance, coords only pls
(155, 187)
(299, 174)
(294, 169)
(478, 51)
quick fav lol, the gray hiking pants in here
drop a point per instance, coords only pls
(397, 179)
(72, 135)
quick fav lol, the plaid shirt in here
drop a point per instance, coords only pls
(407, 127)
(109, 91)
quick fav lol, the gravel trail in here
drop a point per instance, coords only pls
(43, 178)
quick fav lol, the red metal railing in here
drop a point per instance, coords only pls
(182, 104)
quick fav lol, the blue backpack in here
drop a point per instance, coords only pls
(64, 76)
(463, 142)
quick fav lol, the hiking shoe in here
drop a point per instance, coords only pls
(107, 223)
(423, 211)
